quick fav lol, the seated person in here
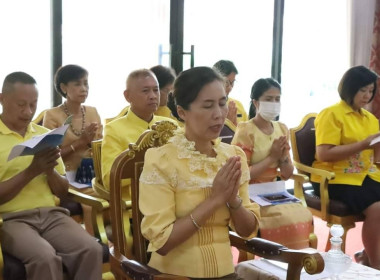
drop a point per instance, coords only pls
(201, 184)
(165, 77)
(71, 82)
(34, 230)
(236, 112)
(344, 132)
(265, 143)
(143, 94)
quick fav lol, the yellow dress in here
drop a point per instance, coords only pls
(175, 179)
(289, 224)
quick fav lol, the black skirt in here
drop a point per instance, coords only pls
(357, 198)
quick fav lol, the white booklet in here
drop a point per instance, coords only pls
(271, 193)
(38, 143)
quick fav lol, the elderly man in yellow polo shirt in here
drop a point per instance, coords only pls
(34, 230)
(143, 94)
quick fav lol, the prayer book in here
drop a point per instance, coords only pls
(38, 143)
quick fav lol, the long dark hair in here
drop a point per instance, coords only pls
(258, 89)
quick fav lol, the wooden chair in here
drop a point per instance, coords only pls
(333, 212)
(127, 264)
(13, 269)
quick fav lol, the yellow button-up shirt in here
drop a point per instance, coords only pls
(118, 134)
(341, 125)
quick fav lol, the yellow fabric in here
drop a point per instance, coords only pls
(175, 179)
(118, 134)
(257, 145)
(56, 117)
(340, 125)
(242, 115)
(37, 192)
(164, 111)
(288, 224)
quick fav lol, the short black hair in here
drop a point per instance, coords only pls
(187, 86)
(258, 89)
(353, 80)
(165, 75)
(66, 74)
(16, 77)
(225, 67)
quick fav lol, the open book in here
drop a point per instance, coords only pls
(271, 193)
(38, 143)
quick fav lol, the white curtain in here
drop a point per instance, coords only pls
(361, 19)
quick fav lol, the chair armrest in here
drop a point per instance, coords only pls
(137, 271)
(296, 259)
(299, 181)
(99, 206)
(311, 170)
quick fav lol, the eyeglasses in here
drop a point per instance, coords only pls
(230, 83)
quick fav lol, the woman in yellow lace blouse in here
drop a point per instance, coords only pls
(265, 143)
(195, 187)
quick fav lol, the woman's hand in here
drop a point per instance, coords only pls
(278, 148)
(368, 140)
(232, 112)
(89, 133)
(227, 181)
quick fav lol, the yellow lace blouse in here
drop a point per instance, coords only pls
(175, 179)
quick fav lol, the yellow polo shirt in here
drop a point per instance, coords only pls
(341, 125)
(241, 114)
(118, 134)
(37, 192)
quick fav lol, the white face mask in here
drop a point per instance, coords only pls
(269, 110)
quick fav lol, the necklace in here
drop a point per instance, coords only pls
(76, 132)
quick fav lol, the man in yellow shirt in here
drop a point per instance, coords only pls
(236, 112)
(34, 230)
(143, 94)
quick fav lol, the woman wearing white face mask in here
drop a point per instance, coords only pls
(265, 142)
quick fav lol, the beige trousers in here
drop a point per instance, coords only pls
(44, 239)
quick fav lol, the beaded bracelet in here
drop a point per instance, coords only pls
(237, 206)
(194, 222)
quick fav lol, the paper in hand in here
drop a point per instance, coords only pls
(38, 143)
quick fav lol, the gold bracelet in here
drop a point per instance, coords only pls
(72, 148)
(235, 207)
(194, 222)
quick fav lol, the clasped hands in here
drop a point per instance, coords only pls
(226, 183)
(280, 149)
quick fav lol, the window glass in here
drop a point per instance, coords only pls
(25, 44)
(112, 38)
(240, 31)
(314, 58)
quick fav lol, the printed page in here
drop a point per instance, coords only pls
(32, 146)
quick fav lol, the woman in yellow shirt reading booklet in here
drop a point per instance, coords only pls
(344, 132)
